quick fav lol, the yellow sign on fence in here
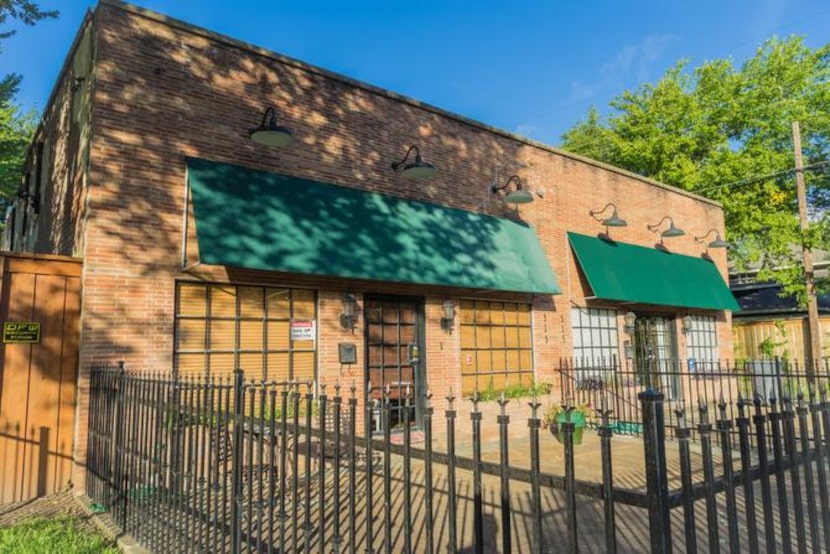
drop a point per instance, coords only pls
(21, 332)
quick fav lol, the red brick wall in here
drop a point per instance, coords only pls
(185, 94)
(164, 91)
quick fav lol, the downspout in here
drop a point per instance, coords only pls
(185, 204)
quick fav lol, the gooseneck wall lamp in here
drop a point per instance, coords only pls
(718, 242)
(670, 232)
(269, 133)
(419, 169)
(614, 221)
(348, 319)
(518, 196)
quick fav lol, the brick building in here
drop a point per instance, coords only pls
(206, 247)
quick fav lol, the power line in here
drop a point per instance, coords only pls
(753, 180)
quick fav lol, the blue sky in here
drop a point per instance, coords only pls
(530, 67)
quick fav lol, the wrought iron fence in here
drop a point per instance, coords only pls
(229, 465)
(685, 385)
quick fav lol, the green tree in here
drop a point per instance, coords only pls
(16, 130)
(714, 129)
(16, 126)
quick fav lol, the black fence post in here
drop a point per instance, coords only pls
(605, 433)
(452, 516)
(369, 413)
(536, 496)
(119, 485)
(657, 486)
(570, 476)
(704, 429)
(236, 460)
(428, 516)
(352, 431)
(387, 472)
(725, 430)
(322, 402)
(478, 517)
(788, 419)
(746, 475)
(809, 482)
(821, 460)
(504, 465)
(759, 420)
(683, 434)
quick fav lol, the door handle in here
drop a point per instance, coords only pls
(413, 353)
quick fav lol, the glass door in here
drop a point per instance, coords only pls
(655, 354)
(395, 357)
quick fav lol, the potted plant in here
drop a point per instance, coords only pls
(579, 415)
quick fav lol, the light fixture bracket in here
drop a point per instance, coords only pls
(518, 196)
(614, 221)
(670, 232)
(718, 242)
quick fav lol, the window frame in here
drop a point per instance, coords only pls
(483, 377)
(238, 319)
(702, 339)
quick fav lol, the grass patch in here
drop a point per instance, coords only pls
(62, 535)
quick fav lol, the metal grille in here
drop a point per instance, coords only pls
(394, 353)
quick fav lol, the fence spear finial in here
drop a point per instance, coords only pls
(680, 412)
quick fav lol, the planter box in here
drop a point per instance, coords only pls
(577, 418)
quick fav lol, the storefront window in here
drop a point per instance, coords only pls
(595, 336)
(496, 345)
(269, 333)
(702, 343)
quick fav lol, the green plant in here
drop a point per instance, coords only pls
(581, 412)
(771, 344)
(62, 534)
(512, 392)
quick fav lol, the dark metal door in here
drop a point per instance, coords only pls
(395, 356)
(655, 351)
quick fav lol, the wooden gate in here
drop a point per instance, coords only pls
(39, 309)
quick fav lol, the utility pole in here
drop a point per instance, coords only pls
(807, 255)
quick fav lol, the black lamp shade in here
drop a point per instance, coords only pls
(673, 231)
(419, 169)
(269, 133)
(519, 196)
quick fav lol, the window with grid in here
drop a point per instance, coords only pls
(496, 345)
(595, 337)
(702, 341)
(223, 327)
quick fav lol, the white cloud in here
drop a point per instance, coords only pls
(581, 91)
(630, 61)
(525, 129)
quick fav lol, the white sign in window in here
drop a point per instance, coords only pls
(303, 330)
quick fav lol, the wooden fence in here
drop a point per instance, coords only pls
(39, 309)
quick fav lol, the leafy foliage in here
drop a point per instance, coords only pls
(512, 392)
(715, 129)
(16, 130)
(22, 10)
(16, 126)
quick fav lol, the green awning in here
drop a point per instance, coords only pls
(630, 273)
(259, 220)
